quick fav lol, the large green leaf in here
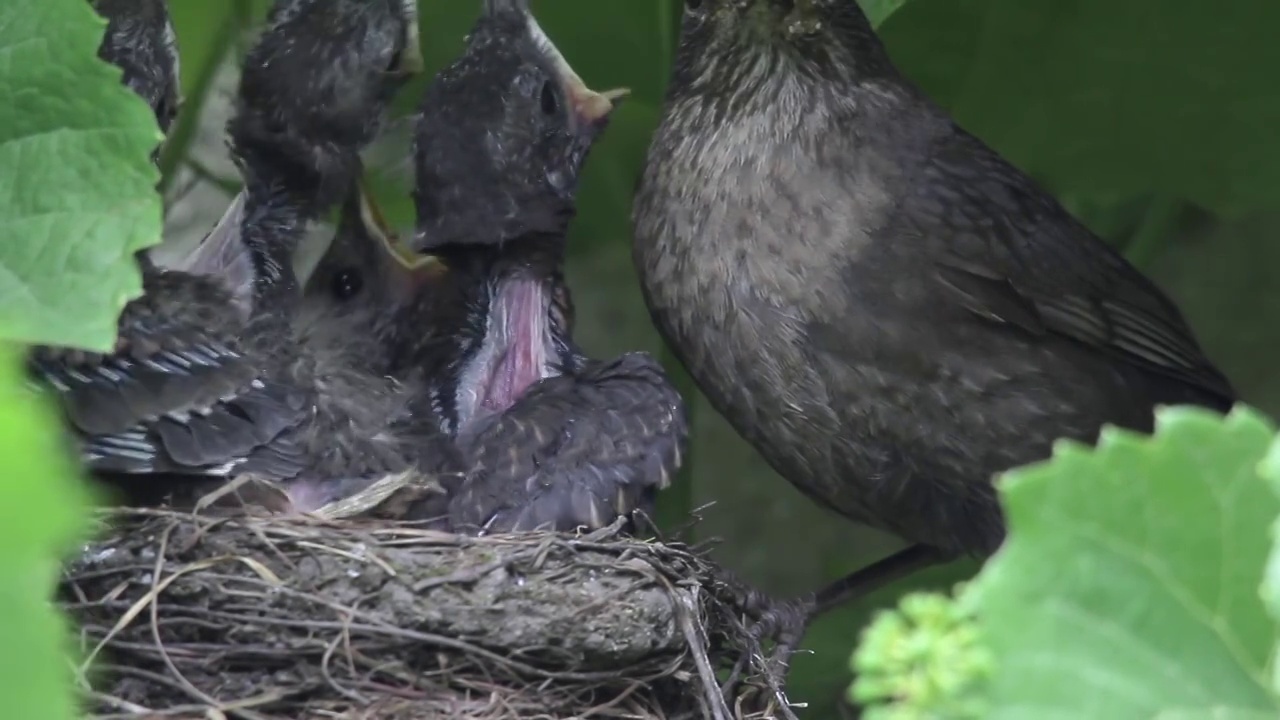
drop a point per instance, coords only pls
(77, 197)
(1113, 98)
(1128, 586)
(1270, 469)
(41, 508)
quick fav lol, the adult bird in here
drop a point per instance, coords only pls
(549, 438)
(211, 376)
(887, 310)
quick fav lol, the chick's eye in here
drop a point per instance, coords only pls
(550, 103)
(346, 284)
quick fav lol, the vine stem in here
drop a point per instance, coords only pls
(184, 131)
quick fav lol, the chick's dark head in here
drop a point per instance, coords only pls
(503, 134)
(140, 41)
(317, 83)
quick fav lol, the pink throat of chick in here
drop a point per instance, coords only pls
(515, 354)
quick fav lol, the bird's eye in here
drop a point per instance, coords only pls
(346, 284)
(693, 4)
(550, 104)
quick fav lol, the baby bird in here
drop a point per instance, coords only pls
(209, 378)
(549, 437)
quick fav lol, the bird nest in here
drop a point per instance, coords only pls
(185, 615)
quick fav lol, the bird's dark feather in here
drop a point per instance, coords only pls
(576, 450)
(180, 393)
(139, 40)
(215, 373)
(889, 312)
(1038, 269)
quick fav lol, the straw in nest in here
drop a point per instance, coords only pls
(185, 615)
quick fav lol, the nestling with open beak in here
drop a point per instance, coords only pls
(366, 268)
(887, 310)
(549, 438)
(214, 374)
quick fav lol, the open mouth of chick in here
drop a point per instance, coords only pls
(405, 271)
(517, 345)
(516, 352)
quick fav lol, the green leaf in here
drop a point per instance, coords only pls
(1270, 469)
(879, 10)
(42, 505)
(1217, 713)
(77, 198)
(1128, 586)
(820, 676)
(1113, 98)
(924, 659)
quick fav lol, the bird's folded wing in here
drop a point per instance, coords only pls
(577, 450)
(1014, 256)
(178, 394)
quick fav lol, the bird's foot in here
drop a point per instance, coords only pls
(867, 580)
(785, 625)
(772, 620)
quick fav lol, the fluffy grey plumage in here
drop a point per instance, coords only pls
(140, 41)
(317, 83)
(585, 443)
(548, 437)
(218, 372)
(881, 305)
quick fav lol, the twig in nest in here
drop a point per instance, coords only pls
(294, 617)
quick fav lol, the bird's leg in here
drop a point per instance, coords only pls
(876, 575)
(787, 621)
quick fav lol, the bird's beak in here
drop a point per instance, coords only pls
(590, 107)
(416, 265)
(411, 62)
